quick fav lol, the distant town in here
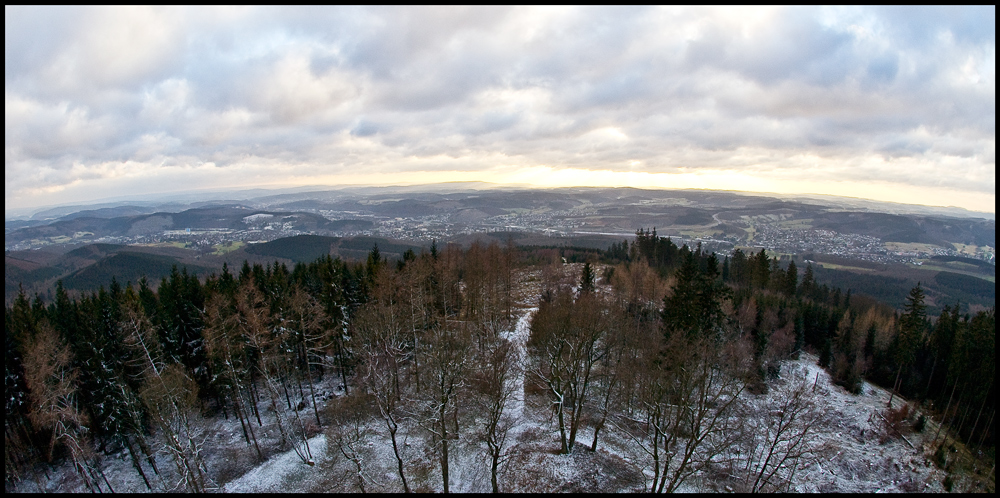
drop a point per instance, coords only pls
(763, 232)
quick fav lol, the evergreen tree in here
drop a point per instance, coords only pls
(791, 279)
(808, 281)
(586, 279)
(911, 327)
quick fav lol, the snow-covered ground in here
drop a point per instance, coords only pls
(849, 456)
(284, 472)
(851, 460)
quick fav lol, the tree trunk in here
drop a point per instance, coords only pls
(444, 447)
(972, 432)
(312, 394)
(136, 463)
(254, 400)
(284, 387)
(894, 384)
(343, 372)
(597, 430)
(945, 413)
(393, 427)
(562, 429)
(248, 427)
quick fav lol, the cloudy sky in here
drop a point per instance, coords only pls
(894, 104)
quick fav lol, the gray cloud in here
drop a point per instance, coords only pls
(95, 94)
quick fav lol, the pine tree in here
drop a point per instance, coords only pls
(808, 281)
(791, 279)
(911, 326)
(586, 279)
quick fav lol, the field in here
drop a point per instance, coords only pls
(910, 247)
(179, 245)
(802, 224)
(227, 247)
(834, 266)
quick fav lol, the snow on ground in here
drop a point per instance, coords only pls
(285, 472)
(851, 459)
(519, 338)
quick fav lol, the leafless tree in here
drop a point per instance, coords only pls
(381, 331)
(498, 363)
(448, 362)
(52, 385)
(348, 431)
(226, 350)
(169, 394)
(686, 391)
(565, 345)
(311, 335)
(255, 324)
(779, 432)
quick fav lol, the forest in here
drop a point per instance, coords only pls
(655, 343)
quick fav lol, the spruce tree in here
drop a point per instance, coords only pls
(586, 279)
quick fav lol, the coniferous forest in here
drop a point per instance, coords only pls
(656, 343)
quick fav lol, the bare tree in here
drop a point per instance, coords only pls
(615, 351)
(565, 342)
(447, 361)
(255, 323)
(380, 329)
(226, 350)
(348, 431)
(169, 394)
(494, 387)
(779, 433)
(686, 391)
(52, 385)
(307, 323)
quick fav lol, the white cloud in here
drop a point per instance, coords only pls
(903, 95)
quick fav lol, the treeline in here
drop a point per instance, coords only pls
(106, 371)
(657, 342)
(940, 363)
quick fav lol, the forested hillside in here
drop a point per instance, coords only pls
(438, 351)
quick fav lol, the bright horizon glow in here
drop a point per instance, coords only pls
(545, 177)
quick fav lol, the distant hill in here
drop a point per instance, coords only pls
(88, 267)
(910, 228)
(125, 266)
(967, 285)
(306, 248)
(301, 248)
(234, 217)
(358, 247)
(942, 288)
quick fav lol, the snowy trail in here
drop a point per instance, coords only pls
(519, 338)
(281, 473)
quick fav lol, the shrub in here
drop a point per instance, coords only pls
(893, 421)
(940, 457)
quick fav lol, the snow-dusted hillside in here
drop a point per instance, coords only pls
(843, 452)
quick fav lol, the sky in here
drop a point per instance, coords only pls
(887, 103)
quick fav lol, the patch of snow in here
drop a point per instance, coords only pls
(282, 473)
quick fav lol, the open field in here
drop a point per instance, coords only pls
(834, 266)
(971, 273)
(227, 247)
(910, 247)
(802, 224)
(179, 245)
